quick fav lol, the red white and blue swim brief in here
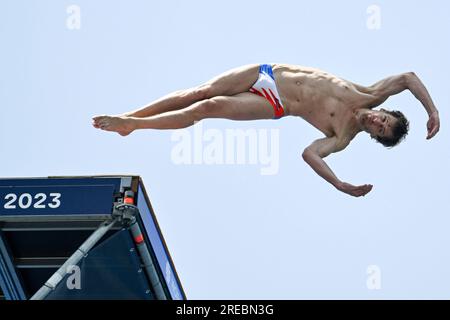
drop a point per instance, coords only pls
(265, 87)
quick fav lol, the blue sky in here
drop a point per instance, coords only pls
(232, 232)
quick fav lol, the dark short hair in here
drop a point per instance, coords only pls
(399, 130)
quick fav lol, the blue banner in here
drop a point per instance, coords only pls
(162, 255)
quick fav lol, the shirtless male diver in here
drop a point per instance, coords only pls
(337, 107)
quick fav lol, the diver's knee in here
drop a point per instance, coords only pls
(204, 109)
(201, 92)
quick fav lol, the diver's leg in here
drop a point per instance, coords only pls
(229, 83)
(242, 106)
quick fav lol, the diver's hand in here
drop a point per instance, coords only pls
(356, 191)
(433, 125)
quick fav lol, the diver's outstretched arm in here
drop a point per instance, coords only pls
(408, 81)
(319, 149)
(418, 89)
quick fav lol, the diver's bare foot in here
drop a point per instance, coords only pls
(95, 122)
(122, 125)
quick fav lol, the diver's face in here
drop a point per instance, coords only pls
(378, 123)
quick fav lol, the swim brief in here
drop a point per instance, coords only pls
(265, 87)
